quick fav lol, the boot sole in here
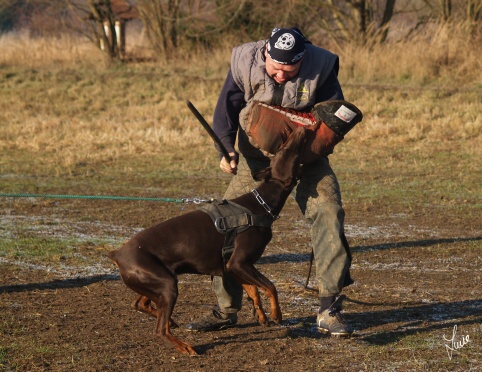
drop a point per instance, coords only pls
(335, 334)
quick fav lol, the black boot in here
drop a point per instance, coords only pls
(214, 321)
(330, 319)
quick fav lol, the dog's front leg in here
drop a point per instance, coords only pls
(258, 311)
(270, 291)
(246, 273)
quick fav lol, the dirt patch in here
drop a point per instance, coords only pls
(417, 277)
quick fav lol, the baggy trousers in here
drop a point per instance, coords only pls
(318, 196)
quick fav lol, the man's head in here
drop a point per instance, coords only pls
(284, 52)
(286, 46)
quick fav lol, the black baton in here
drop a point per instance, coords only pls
(210, 131)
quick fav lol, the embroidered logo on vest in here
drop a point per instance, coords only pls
(302, 94)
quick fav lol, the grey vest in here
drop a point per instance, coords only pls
(249, 73)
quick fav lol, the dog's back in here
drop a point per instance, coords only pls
(188, 243)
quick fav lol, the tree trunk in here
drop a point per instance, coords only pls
(387, 16)
(105, 20)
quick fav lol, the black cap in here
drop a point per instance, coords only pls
(286, 46)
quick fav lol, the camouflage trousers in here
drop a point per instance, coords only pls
(318, 197)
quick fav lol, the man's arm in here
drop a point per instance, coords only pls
(330, 90)
(226, 121)
(226, 114)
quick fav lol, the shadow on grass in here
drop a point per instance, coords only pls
(252, 332)
(267, 259)
(305, 257)
(414, 244)
(58, 283)
(416, 319)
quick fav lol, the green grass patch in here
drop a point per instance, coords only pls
(55, 252)
(3, 356)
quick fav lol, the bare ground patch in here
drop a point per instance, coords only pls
(416, 279)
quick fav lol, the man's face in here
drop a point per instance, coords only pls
(281, 73)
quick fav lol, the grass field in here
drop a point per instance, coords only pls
(73, 123)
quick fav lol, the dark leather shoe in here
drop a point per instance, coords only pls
(215, 321)
(332, 321)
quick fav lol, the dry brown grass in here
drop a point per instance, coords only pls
(19, 49)
(444, 55)
(63, 99)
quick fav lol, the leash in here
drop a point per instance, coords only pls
(309, 273)
(105, 197)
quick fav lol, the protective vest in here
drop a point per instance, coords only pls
(263, 131)
(249, 73)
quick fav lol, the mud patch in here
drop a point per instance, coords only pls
(415, 280)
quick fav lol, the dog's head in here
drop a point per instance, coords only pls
(285, 165)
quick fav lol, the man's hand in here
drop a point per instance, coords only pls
(232, 166)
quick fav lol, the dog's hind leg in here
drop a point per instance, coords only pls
(144, 305)
(258, 312)
(156, 284)
(166, 296)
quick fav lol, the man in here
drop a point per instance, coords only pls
(285, 71)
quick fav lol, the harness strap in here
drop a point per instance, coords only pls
(228, 247)
(231, 219)
(227, 215)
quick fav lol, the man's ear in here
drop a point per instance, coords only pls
(265, 174)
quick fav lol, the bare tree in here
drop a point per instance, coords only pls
(474, 10)
(103, 22)
(6, 16)
(363, 21)
(103, 16)
(386, 18)
(467, 11)
(162, 23)
(455, 10)
(172, 25)
(38, 17)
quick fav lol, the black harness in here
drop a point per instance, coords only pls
(231, 219)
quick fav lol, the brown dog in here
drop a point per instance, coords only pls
(151, 260)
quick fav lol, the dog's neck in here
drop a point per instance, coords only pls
(265, 205)
(272, 195)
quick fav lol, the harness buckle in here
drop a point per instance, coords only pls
(220, 224)
(249, 219)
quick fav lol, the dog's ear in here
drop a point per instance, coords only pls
(265, 174)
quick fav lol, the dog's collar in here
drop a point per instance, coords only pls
(263, 204)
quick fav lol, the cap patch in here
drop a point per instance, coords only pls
(285, 42)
